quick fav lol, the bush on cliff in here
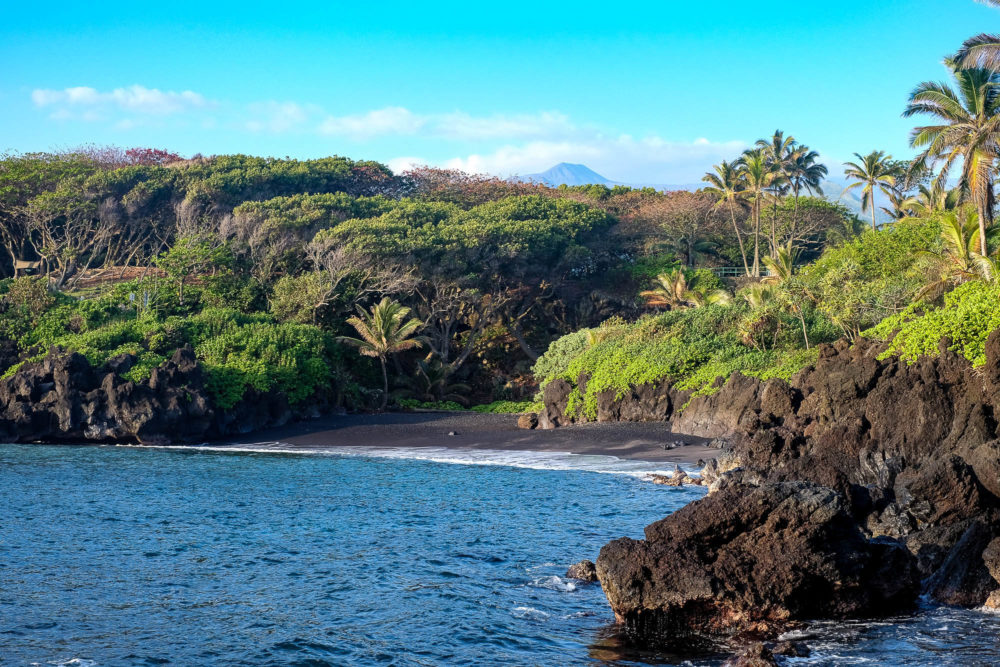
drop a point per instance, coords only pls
(852, 287)
(968, 315)
(688, 348)
(238, 351)
(870, 277)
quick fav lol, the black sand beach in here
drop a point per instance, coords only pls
(639, 441)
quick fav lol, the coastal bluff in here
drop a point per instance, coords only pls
(848, 492)
(63, 398)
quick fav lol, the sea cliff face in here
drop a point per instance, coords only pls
(62, 398)
(846, 492)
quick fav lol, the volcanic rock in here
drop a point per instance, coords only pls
(753, 559)
(585, 570)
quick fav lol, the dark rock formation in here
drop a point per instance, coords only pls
(63, 398)
(646, 403)
(585, 570)
(753, 559)
(755, 655)
(910, 452)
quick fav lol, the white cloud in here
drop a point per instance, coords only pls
(134, 99)
(463, 126)
(381, 122)
(650, 160)
(505, 144)
(455, 126)
(401, 164)
(278, 117)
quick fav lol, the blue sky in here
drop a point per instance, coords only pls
(639, 92)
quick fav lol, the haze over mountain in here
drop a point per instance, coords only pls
(567, 173)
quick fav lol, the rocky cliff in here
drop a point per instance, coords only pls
(62, 398)
(846, 492)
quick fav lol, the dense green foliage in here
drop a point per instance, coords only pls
(869, 282)
(688, 348)
(238, 351)
(966, 318)
(874, 275)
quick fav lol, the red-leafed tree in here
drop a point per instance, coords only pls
(150, 156)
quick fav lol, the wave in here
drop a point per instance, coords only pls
(554, 583)
(534, 460)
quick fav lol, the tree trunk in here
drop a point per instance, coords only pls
(983, 249)
(385, 385)
(871, 202)
(774, 228)
(518, 333)
(739, 238)
(805, 334)
(756, 239)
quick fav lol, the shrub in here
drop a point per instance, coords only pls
(688, 349)
(968, 315)
(508, 407)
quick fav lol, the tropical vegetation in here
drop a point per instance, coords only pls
(338, 282)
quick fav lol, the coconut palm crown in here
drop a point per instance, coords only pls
(968, 132)
(384, 331)
(873, 172)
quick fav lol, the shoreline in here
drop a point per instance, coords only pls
(624, 440)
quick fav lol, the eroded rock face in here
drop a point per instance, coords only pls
(63, 398)
(910, 450)
(755, 559)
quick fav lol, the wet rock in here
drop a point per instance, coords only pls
(753, 560)
(678, 478)
(791, 649)
(585, 570)
(964, 578)
(755, 655)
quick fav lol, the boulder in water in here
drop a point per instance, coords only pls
(585, 570)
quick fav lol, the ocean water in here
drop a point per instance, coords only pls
(138, 556)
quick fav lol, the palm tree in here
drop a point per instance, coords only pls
(384, 331)
(983, 50)
(969, 131)
(758, 176)
(669, 292)
(727, 185)
(899, 205)
(778, 151)
(674, 291)
(752, 327)
(804, 173)
(874, 172)
(931, 199)
(959, 259)
(689, 246)
(431, 383)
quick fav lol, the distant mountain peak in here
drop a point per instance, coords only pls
(566, 173)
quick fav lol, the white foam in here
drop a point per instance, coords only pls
(461, 456)
(530, 613)
(554, 583)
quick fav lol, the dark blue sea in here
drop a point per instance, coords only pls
(139, 556)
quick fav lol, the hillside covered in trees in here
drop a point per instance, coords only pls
(340, 284)
(259, 263)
